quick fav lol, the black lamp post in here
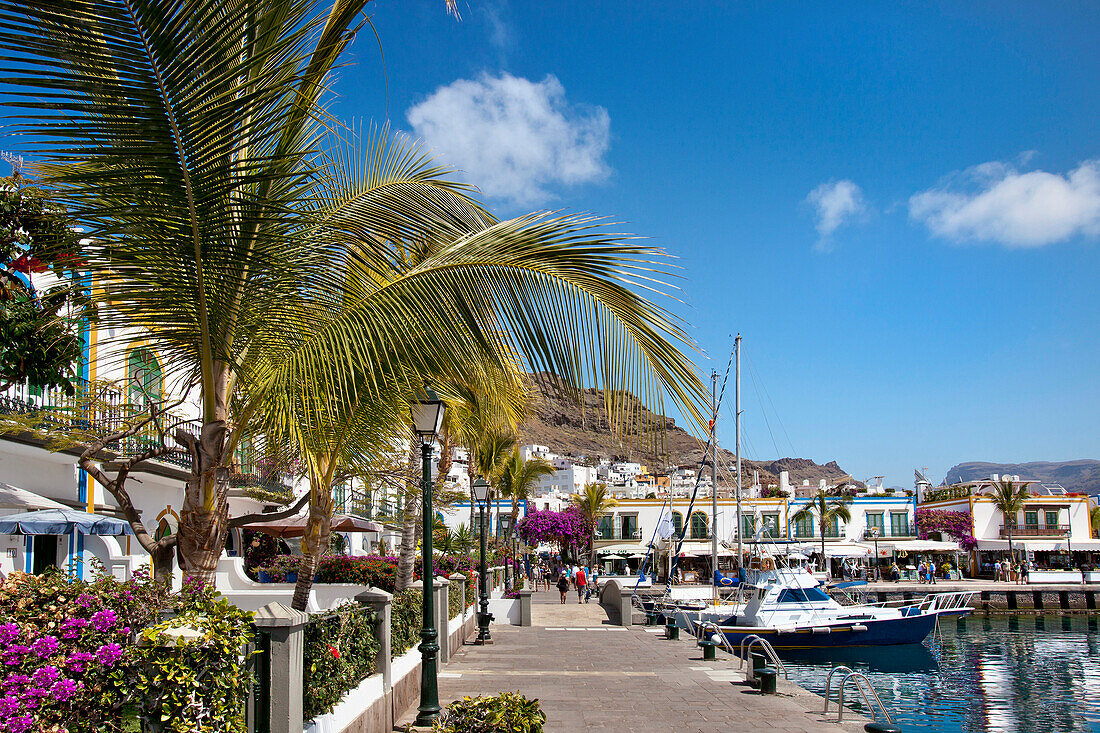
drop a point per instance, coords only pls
(873, 531)
(427, 418)
(481, 496)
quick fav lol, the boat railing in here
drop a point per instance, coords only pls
(946, 601)
(766, 648)
(863, 686)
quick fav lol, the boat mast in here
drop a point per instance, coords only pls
(737, 430)
(714, 482)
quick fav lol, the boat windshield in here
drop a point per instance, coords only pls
(801, 595)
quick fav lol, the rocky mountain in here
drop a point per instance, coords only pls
(577, 426)
(1081, 476)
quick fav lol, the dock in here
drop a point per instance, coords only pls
(589, 673)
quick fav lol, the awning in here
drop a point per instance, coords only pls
(837, 549)
(296, 526)
(1041, 545)
(62, 521)
(915, 545)
(12, 497)
(623, 549)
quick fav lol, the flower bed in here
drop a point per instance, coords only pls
(373, 570)
(340, 650)
(71, 660)
(280, 569)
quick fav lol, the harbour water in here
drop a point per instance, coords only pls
(1019, 673)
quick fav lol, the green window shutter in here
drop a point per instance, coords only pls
(698, 526)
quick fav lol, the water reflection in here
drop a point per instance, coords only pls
(981, 674)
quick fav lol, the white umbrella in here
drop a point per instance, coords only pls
(637, 557)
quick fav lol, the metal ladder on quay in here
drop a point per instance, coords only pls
(743, 654)
(863, 686)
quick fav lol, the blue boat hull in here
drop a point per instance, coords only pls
(904, 630)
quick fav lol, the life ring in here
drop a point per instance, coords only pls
(767, 564)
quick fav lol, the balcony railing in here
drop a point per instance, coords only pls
(1036, 530)
(617, 533)
(56, 412)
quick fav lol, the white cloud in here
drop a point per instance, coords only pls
(513, 138)
(835, 203)
(995, 202)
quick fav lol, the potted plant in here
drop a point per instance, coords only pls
(281, 569)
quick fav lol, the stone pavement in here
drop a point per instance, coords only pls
(591, 675)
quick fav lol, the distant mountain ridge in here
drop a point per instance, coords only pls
(1081, 476)
(580, 428)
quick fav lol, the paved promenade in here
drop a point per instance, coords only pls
(590, 675)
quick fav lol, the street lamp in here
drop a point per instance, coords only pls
(873, 531)
(427, 419)
(481, 496)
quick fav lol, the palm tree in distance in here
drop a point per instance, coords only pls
(1094, 520)
(518, 477)
(593, 502)
(827, 509)
(1008, 497)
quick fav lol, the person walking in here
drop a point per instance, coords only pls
(997, 570)
(581, 580)
(563, 586)
(932, 572)
(895, 571)
(922, 571)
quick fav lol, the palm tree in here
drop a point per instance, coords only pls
(517, 477)
(463, 539)
(828, 509)
(593, 503)
(1094, 520)
(1008, 497)
(253, 253)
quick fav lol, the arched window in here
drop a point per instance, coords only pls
(144, 376)
(698, 526)
(677, 522)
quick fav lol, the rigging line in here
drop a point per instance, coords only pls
(763, 410)
(698, 480)
(778, 417)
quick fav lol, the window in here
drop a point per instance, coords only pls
(698, 526)
(771, 524)
(832, 528)
(899, 524)
(748, 526)
(874, 521)
(144, 377)
(629, 525)
(804, 527)
(1031, 519)
(604, 527)
(340, 496)
(678, 523)
(1052, 517)
(801, 595)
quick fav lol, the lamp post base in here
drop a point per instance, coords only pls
(483, 642)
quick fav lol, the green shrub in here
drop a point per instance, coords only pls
(406, 614)
(340, 651)
(454, 600)
(471, 590)
(195, 685)
(508, 712)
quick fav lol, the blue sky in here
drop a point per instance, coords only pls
(896, 204)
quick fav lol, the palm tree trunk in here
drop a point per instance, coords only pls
(406, 557)
(204, 515)
(315, 542)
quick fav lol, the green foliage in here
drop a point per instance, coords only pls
(39, 329)
(340, 652)
(195, 685)
(471, 590)
(508, 712)
(454, 601)
(406, 615)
